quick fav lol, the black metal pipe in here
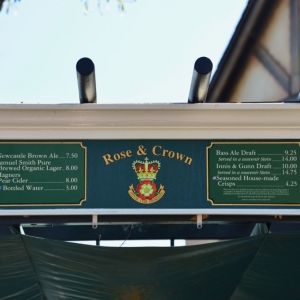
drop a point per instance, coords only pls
(86, 80)
(200, 80)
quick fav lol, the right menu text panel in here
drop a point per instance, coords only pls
(253, 173)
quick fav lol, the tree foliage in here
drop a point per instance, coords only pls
(8, 4)
(121, 4)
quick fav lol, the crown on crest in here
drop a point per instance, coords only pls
(146, 170)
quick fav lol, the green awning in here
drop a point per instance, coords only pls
(265, 266)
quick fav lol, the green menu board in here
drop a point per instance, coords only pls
(42, 173)
(253, 173)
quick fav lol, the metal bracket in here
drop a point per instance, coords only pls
(95, 221)
(199, 221)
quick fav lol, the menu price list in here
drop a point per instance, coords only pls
(42, 173)
(253, 173)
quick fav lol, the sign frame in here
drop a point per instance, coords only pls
(207, 121)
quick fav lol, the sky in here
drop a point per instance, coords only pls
(145, 55)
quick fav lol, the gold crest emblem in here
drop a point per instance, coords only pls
(146, 191)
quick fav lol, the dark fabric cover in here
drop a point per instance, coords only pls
(265, 266)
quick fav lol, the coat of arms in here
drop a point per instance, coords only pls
(146, 191)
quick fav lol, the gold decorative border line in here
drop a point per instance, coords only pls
(240, 143)
(85, 174)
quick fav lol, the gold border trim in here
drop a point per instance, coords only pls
(229, 204)
(85, 174)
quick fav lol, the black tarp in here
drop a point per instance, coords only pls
(265, 266)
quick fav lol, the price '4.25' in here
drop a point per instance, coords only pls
(291, 183)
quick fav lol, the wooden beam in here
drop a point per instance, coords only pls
(273, 66)
(142, 232)
(295, 46)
